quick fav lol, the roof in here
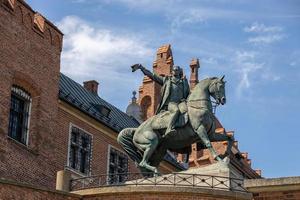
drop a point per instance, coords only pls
(164, 48)
(89, 103)
(77, 96)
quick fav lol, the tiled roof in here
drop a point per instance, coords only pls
(76, 95)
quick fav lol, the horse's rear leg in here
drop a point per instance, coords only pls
(149, 149)
(229, 137)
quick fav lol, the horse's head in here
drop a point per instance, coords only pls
(217, 90)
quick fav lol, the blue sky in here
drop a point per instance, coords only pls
(256, 44)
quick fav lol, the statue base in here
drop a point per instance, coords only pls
(220, 175)
(221, 168)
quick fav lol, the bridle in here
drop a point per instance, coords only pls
(215, 104)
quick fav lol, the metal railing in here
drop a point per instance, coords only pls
(174, 179)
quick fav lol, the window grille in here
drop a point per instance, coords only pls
(118, 167)
(80, 150)
(19, 114)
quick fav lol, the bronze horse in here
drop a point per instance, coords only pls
(147, 145)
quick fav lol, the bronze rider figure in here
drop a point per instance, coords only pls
(175, 89)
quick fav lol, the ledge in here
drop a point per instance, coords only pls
(273, 184)
(36, 188)
(119, 190)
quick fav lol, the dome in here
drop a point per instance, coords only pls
(134, 110)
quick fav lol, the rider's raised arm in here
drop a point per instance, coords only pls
(153, 76)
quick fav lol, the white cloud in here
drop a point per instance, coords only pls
(295, 58)
(265, 39)
(264, 34)
(194, 15)
(210, 60)
(251, 70)
(262, 28)
(270, 77)
(246, 65)
(101, 54)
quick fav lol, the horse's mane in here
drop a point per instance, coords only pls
(209, 78)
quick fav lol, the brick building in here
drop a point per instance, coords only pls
(29, 67)
(48, 122)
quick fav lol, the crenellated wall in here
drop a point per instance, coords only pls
(30, 49)
(21, 13)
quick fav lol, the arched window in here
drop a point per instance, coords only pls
(19, 116)
(145, 106)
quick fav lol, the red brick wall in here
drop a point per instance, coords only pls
(16, 191)
(100, 144)
(100, 141)
(152, 196)
(30, 58)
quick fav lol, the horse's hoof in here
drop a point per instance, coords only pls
(218, 158)
(223, 156)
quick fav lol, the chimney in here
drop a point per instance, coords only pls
(91, 86)
(194, 65)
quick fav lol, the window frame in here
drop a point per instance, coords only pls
(89, 173)
(110, 147)
(27, 100)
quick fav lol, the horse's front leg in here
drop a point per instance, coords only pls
(202, 133)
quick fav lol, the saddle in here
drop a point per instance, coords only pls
(161, 120)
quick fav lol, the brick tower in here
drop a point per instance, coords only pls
(149, 91)
(30, 62)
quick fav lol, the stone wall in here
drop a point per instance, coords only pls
(17, 191)
(160, 192)
(274, 188)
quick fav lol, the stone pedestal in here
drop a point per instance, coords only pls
(223, 168)
(219, 176)
(63, 179)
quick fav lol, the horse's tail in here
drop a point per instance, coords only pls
(125, 139)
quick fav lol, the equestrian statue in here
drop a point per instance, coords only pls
(183, 118)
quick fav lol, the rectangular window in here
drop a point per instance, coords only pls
(80, 150)
(19, 114)
(118, 166)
